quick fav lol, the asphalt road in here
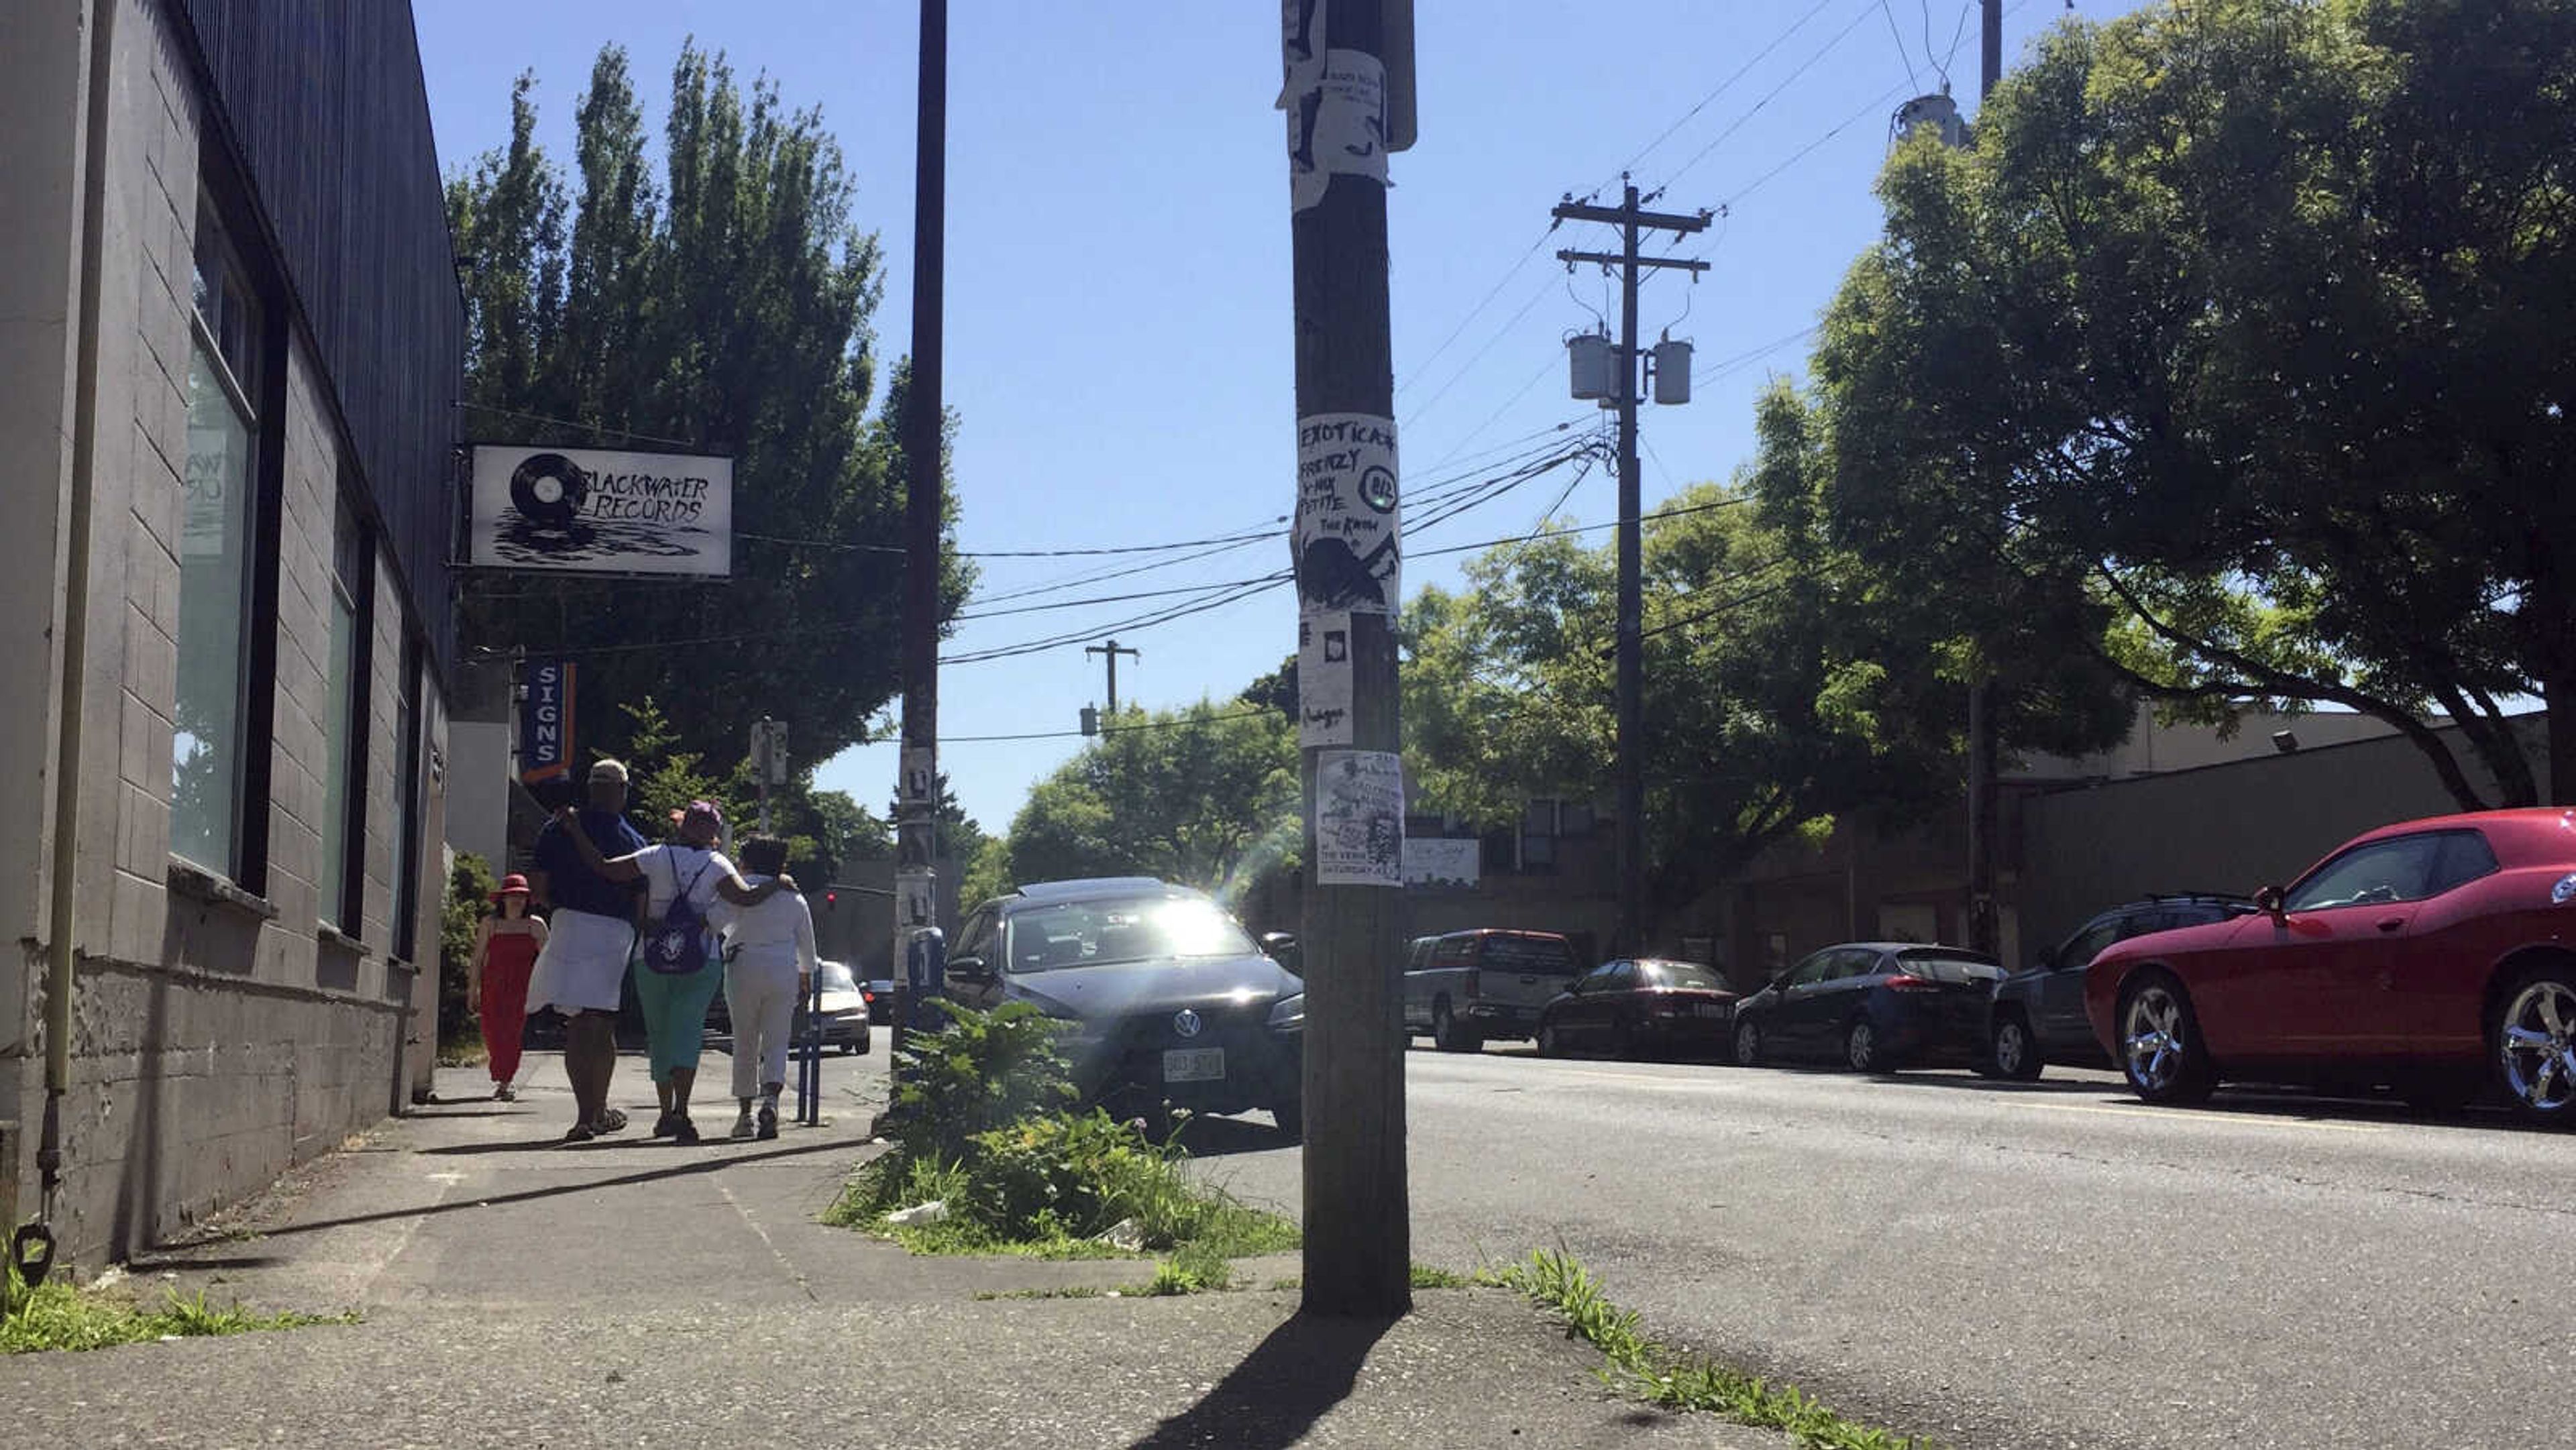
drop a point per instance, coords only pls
(2005, 1266)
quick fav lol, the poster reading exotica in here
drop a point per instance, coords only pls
(590, 511)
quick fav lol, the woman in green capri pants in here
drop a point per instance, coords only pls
(677, 969)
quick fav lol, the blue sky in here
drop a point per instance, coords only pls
(1118, 323)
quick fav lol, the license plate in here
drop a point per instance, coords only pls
(1194, 1064)
(1711, 1009)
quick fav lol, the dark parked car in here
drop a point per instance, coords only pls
(2037, 1016)
(1165, 997)
(1639, 1006)
(1875, 1006)
(2431, 956)
(879, 992)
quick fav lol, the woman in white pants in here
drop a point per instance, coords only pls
(769, 959)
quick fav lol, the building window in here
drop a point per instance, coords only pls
(209, 745)
(344, 796)
(406, 805)
(1538, 836)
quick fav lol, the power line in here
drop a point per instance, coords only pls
(1107, 729)
(1767, 98)
(593, 429)
(1724, 366)
(1722, 87)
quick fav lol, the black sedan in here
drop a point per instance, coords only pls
(1625, 1007)
(1872, 1006)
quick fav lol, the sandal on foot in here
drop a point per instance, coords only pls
(580, 1133)
(610, 1121)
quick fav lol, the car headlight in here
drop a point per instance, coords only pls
(1288, 1014)
(2564, 891)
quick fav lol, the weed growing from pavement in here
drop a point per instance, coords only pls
(58, 1315)
(1662, 1376)
(983, 1128)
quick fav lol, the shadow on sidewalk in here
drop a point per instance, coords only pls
(1289, 1381)
(694, 1165)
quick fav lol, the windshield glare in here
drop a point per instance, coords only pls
(837, 978)
(1096, 933)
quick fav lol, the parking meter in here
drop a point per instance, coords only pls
(925, 971)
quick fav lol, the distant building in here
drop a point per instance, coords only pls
(231, 341)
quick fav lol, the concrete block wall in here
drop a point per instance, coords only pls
(219, 1038)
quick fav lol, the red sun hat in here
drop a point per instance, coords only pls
(513, 884)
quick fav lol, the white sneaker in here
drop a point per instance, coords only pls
(742, 1127)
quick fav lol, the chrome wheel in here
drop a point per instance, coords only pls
(2152, 1039)
(2533, 1047)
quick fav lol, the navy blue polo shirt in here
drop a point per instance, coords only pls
(569, 879)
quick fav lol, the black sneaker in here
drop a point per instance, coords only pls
(768, 1124)
(662, 1126)
(682, 1130)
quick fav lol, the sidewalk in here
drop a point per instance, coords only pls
(520, 1292)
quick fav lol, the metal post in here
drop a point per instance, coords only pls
(924, 436)
(1983, 929)
(1358, 1251)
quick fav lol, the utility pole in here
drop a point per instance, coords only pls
(1346, 107)
(1112, 649)
(1984, 758)
(916, 904)
(1630, 221)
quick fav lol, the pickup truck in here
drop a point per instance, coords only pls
(1468, 986)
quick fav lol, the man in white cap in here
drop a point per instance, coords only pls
(591, 934)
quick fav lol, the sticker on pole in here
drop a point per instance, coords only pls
(1324, 679)
(1359, 818)
(1347, 552)
(1336, 105)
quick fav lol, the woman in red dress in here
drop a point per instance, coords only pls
(505, 952)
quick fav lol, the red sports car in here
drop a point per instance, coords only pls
(2433, 956)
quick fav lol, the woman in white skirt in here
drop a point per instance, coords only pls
(769, 961)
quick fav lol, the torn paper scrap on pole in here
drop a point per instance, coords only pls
(1348, 554)
(1324, 678)
(1359, 818)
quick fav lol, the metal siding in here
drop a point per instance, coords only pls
(325, 106)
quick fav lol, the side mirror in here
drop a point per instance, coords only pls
(969, 969)
(2268, 900)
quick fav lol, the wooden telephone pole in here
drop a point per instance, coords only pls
(1345, 97)
(916, 889)
(1630, 220)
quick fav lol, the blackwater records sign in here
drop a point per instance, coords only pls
(589, 511)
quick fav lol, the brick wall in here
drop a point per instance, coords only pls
(218, 1037)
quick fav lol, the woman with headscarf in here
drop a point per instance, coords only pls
(506, 944)
(676, 967)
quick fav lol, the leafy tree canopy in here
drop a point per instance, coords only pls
(1206, 796)
(2243, 326)
(726, 305)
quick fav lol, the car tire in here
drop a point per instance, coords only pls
(1291, 1117)
(1548, 1046)
(1448, 1034)
(2528, 1040)
(1861, 1050)
(2161, 1053)
(2012, 1052)
(1748, 1044)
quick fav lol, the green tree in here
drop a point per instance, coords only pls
(1205, 796)
(1786, 683)
(2240, 325)
(727, 306)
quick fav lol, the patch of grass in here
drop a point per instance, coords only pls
(1289, 1285)
(1664, 1377)
(1070, 1291)
(1197, 1268)
(58, 1315)
(1427, 1276)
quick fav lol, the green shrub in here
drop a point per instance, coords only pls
(469, 900)
(978, 1072)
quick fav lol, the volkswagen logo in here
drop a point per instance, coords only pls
(1186, 1022)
